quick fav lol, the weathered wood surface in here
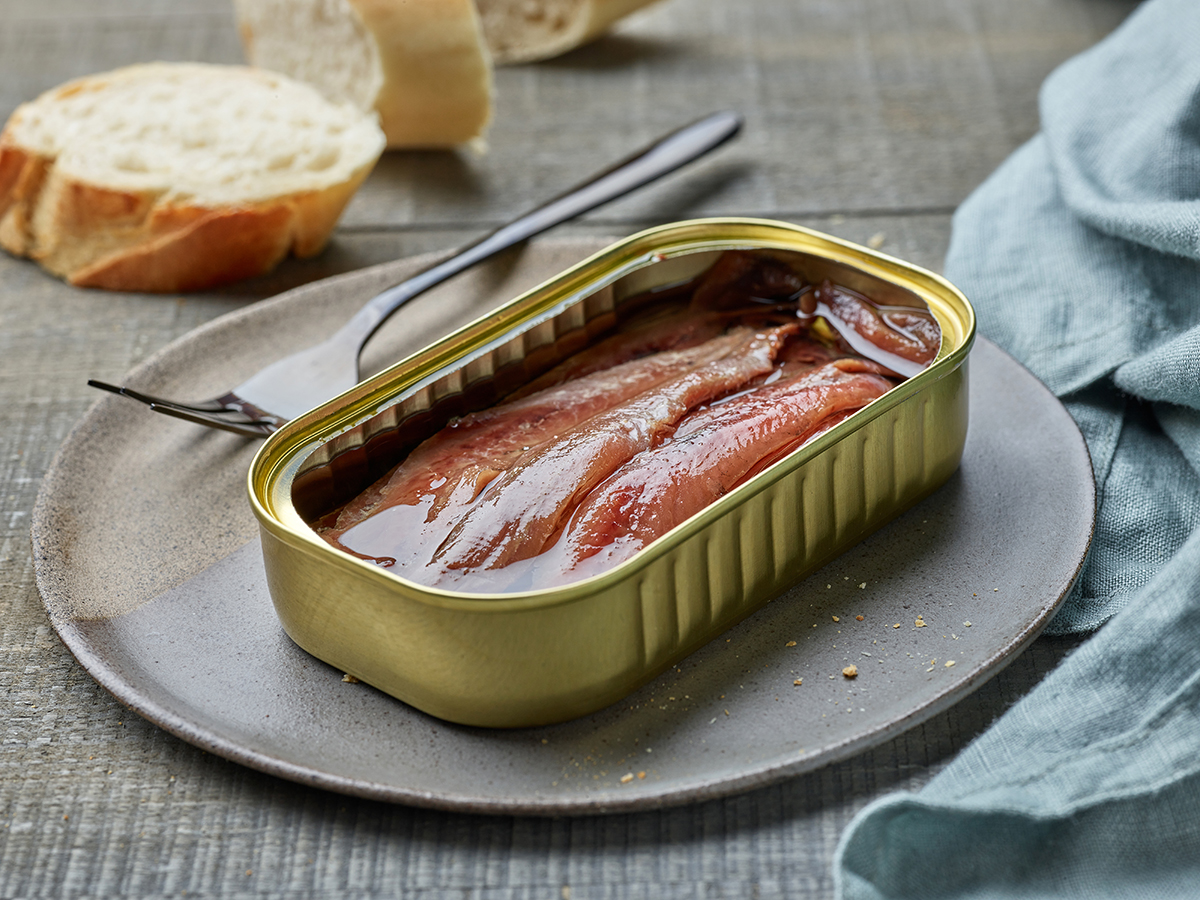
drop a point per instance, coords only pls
(867, 118)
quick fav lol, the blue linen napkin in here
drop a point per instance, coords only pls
(1082, 257)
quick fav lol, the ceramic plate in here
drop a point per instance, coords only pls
(148, 563)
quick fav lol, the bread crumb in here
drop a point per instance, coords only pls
(641, 776)
(858, 618)
(897, 625)
(790, 644)
(836, 619)
(876, 240)
(920, 623)
(863, 585)
(798, 682)
(349, 679)
(851, 671)
(967, 624)
(949, 663)
(626, 778)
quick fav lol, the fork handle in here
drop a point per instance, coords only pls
(663, 156)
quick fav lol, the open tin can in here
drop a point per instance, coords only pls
(543, 656)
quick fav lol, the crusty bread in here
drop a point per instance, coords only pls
(527, 30)
(422, 64)
(172, 177)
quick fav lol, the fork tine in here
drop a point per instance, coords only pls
(105, 386)
(247, 428)
(204, 406)
(212, 413)
(234, 417)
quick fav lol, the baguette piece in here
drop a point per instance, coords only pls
(178, 176)
(421, 64)
(519, 31)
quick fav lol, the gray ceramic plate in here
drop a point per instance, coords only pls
(148, 563)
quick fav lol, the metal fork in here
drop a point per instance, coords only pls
(303, 380)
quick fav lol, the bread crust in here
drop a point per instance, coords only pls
(437, 72)
(94, 235)
(591, 19)
(200, 248)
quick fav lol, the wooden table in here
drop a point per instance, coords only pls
(870, 119)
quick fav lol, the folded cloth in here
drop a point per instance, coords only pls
(1082, 257)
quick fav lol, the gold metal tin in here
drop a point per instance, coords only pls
(545, 656)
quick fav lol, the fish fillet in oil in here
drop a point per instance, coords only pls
(522, 511)
(711, 452)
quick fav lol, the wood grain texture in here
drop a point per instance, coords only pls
(866, 118)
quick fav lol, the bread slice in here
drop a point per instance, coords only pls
(527, 30)
(174, 177)
(421, 64)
